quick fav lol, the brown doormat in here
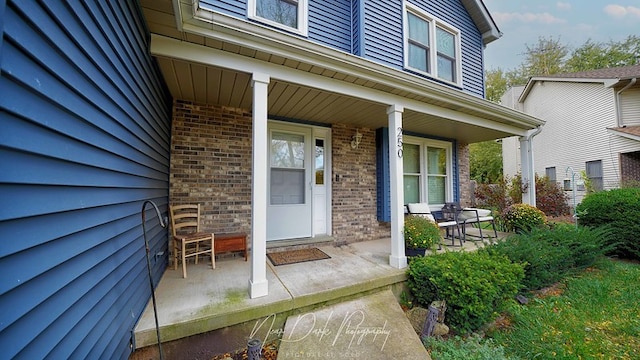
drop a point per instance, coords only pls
(296, 256)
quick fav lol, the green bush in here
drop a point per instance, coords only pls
(474, 285)
(619, 209)
(420, 233)
(522, 217)
(548, 255)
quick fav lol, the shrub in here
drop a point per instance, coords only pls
(474, 285)
(522, 217)
(551, 198)
(619, 209)
(420, 233)
(550, 254)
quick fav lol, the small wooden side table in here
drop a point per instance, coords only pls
(230, 242)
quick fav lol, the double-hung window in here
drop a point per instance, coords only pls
(594, 173)
(432, 47)
(289, 15)
(427, 171)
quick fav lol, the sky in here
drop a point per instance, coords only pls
(573, 22)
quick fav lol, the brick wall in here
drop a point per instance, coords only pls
(354, 187)
(211, 164)
(630, 167)
(465, 175)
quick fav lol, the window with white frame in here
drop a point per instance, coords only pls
(427, 171)
(285, 14)
(431, 46)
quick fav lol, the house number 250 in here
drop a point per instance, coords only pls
(399, 137)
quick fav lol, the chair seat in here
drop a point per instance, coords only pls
(447, 223)
(193, 236)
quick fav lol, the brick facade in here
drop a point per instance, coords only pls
(354, 187)
(464, 168)
(211, 165)
(630, 167)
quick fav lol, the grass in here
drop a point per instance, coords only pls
(592, 315)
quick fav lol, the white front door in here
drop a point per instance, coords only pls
(291, 165)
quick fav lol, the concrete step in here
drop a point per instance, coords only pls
(370, 327)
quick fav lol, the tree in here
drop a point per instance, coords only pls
(591, 55)
(499, 81)
(485, 161)
(546, 57)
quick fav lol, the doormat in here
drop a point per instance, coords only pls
(296, 256)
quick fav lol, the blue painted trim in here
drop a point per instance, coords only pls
(383, 184)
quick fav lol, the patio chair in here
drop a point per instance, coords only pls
(422, 209)
(475, 216)
(188, 240)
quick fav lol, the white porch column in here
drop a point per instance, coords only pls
(258, 285)
(527, 167)
(397, 259)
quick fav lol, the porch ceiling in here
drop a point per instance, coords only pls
(207, 83)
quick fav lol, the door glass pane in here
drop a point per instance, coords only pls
(437, 189)
(287, 183)
(287, 150)
(319, 171)
(287, 186)
(411, 189)
(281, 11)
(436, 161)
(411, 158)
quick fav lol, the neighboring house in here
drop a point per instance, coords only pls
(286, 119)
(592, 125)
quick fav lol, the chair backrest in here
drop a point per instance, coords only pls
(185, 219)
(451, 210)
(421, 209)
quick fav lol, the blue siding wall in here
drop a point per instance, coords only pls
(236, 8)
(84, 142)
(384, 42)
(330, 23)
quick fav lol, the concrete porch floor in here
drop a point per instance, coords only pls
(210, 299)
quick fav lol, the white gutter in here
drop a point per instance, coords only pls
(617, 100)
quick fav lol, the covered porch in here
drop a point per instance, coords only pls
(209, 299)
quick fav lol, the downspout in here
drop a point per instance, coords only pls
(618, 107)
(528, 174)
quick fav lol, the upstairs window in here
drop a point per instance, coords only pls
(431, 46)
(289, 15)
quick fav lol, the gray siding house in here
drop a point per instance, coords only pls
(592, 125)
(307, 120)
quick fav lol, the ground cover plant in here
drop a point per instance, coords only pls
(591, 316)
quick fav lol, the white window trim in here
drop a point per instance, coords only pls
(303, 17)
(433, 53)
(425, 143)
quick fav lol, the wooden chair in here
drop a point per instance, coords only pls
(188, 240)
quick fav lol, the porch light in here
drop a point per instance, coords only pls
(355, 140)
